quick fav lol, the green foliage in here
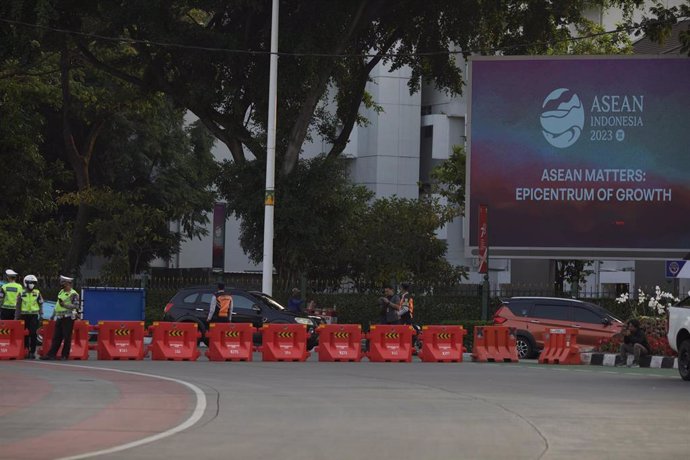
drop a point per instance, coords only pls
(449, 180)
(658, 27)
(134, 147)
(326, 228)
(396, 241)
(155, 171)
(32, 237)
(343, 43)
(599, 43)
(572, 271)
(315, 207)
(104, 169)
(156, 300)
(364, 308)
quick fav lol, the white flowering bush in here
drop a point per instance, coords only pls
(649, 304)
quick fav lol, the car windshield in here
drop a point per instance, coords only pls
(268, 300)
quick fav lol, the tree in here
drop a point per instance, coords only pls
(135, 167)
(211, 57)
(594, 40)
(219, 71)
(32, 237)
(658, 27)
(449, 181)
(314, 214)
(150, 171)
(572, 271)
(396, 241)
(330, 230)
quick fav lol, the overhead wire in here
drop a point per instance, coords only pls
(130, 40)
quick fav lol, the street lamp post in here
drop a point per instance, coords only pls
(269, 197)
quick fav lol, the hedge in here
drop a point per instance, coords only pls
(364, 308)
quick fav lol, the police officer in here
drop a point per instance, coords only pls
(30, 310)
(66, 311)
(9, 293)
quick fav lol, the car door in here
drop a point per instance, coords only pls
(590, 326)
(546, 315)
(246, 310)
(520, 310)
(190, 305)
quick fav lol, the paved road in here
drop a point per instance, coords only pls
(336, 411)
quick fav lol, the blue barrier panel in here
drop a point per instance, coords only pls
(113, 304)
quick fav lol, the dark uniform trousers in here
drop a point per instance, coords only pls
(7, 313)
(63, 332)
(31, 324)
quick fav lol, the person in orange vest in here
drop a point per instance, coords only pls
(406, 311)
(220, 310)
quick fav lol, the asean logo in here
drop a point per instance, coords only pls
(563, 118)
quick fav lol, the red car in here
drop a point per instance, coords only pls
(532, 317)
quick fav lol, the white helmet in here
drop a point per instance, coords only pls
(30, 279)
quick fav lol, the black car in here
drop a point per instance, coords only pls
(192, 305)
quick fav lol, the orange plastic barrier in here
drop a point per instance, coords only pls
(174, 341)
(120, 340)
(390, 343)
(560, 347)
(230, 341)
(284, 342)
(340, 342)
(442, 344)
(80, 339)
(494, 343)
(12, 339)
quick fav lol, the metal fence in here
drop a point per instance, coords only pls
(169, 281)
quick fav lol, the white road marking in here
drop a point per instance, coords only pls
(193, 419)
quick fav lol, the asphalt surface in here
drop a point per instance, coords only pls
(332, 411)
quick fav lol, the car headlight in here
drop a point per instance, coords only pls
(306, 321)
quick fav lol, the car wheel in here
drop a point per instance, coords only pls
(525, 348)
(684, 360)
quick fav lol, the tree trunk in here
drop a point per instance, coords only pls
(79, 159)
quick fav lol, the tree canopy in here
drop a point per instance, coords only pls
(211, 57)
(97, 91)
(91, 154)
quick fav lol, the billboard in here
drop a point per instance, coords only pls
(580, 156)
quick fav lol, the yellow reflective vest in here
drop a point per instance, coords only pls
(11, 292)
(30, 302)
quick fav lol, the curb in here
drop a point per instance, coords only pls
(610, 359)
